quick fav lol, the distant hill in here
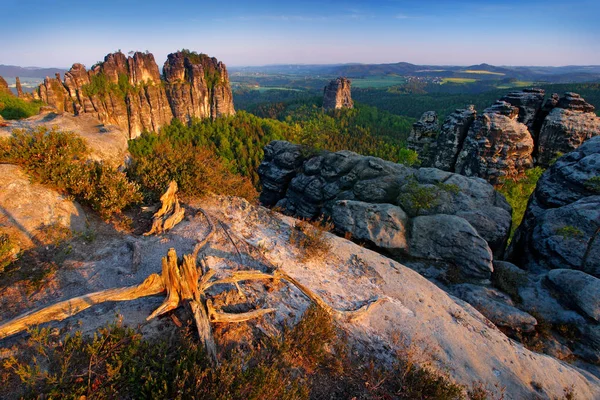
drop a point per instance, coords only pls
(565, 74)
(12, 71)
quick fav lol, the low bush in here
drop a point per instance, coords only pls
(196, 169)
(308, 361)
(517, 193)
(12, 107)
(310, 239)
(7, 251)
(59, 159)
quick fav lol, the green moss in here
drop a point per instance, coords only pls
(593, 184)
(569, 232)
(12, 107)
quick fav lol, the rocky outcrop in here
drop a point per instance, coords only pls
(529, 102)
(571, 122)
(19, 87)
(30, 208)
(497, 147)
(423, 137)
(337, 95)
(4, 86)
(579, 289)
(517, 132)
(424, 214)
(452, 136)
(130, 93)
(197, 86)
(561, 227)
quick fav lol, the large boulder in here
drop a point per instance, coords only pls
(496, 306)
(423, 137)
(529, 102)
(452, 136)
(566, 127)
(498, 147)
(561, 225)
(29, 209)
(451, 239)
(383, 225)
(348, 187)
(579, 289)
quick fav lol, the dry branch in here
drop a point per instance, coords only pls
(170, 214)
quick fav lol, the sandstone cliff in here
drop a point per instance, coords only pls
(516, 133)
(3, 86)
(129, 91)
(337, 95)
(566, 127)
(497, 146)
(423, 137)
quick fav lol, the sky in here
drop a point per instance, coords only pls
(58, 33)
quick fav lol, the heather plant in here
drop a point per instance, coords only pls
(59, 159)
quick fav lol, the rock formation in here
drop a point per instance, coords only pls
(452, 136)
(197, 86)
(423, 137)
(517, 132)
(497, 146)
(337, 95)
(129, 91)
(566, 127)
(4, 86)
(529, 102)
(19, 87)
(561, 227)
(420, 213)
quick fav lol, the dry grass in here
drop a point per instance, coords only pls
(311, 239)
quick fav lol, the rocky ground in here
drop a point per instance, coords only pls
(440, 329)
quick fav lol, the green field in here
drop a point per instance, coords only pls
(517, 84)
(378, 82)
(459, 80)
(482, 72)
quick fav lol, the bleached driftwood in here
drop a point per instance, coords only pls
(184, 282)
(170, 214)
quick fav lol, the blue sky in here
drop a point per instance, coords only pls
(58, 33)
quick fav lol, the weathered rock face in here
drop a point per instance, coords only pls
(197, 86)
(32, 207)
(561, 227)
(337, 95)
(571, 122)
(579, 289)
(19, 87)
(379, 201)
(4, 86)
(130, 93)
(423, 137)
(452, 136)
(529, 102)
(497, 146)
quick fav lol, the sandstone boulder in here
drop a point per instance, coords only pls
(452, 136)
(383, 225)
(337, 94)
(30, 208)
(310, 185)
(498, 147)
(529, 103)
(566, 127)
(423, 137)
(496, 306)
(451, 239)
(579, 289)
(562, 223)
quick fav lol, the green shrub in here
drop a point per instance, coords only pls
(517, 193)
(310, 239)
(197, 171)
(308, 360)
(12, 107)
(7, 251)
(59, 159)
(408, 157)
